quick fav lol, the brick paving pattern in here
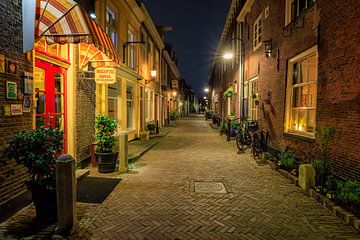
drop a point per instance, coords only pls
(156, 200)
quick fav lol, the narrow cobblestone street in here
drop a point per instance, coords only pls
(156, 200)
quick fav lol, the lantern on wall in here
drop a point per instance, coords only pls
(268, 47)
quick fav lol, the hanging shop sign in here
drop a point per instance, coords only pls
(105, 75)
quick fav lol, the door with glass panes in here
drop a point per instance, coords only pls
(49, 83)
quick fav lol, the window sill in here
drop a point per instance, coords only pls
(292, 135)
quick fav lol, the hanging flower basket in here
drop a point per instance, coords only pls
(229, 92)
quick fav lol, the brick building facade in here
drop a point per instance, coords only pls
(12, 177)
(309, 79)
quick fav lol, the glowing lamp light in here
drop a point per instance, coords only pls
(206, 90)
(92, 15)
(153, 72)
(181, 103)
(228, 55)
(174, 94)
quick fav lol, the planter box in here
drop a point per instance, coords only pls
(144, 136)
(349, 218)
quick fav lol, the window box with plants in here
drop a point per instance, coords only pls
(105, 153)
(38, 150)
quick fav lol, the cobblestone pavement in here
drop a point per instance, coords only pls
(156, 200)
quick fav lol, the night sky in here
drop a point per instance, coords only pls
(197, 25)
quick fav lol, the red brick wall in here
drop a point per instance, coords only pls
(339, 82)
(12, 177)
(338, 102)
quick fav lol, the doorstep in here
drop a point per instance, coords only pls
(81, 174)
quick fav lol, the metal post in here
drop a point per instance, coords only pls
(123, 153)
(66, 194)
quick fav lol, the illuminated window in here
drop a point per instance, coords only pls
(113, 96)
(301, 93)
(129, 107)
(253, 100)
(295, 8)
(257, 33)
(149, 105)
(131, 49)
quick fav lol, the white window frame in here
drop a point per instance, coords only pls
(130, 124)
(131, 48)
(253, 88)
(289, 93)
(257, 32)
(288, 9)
(111, 25)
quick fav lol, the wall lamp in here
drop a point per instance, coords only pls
(125, 46)
(153, 74)
(268, 47)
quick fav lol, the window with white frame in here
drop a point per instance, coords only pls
(301, 93)
(113, 96)
(143, 52)
(149, 105)
(257, 33)
(129, 107)
(111, 29)
(150, 49)
(295, 8)
(246, 99)
(253, 101)
(156, 62)
(131, 49)
(152, 103)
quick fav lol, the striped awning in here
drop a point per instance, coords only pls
(64, 21)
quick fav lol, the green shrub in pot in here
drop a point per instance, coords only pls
(37, 150)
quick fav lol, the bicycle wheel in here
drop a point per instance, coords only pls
(239, 141)
(256, 146)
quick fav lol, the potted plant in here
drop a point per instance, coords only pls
(151, 127)
(37, 150)
(172, 119)
(106, 142)
(233, 128)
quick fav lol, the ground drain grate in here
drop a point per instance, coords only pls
(218, 185)
(209, 187)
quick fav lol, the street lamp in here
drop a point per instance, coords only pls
(206, 90)
(230, 55)
(153, 72)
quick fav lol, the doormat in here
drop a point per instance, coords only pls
(95, 189)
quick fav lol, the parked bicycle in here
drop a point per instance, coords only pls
(247, 136)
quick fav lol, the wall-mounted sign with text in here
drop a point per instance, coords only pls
(105, 75)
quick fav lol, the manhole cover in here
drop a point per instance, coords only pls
(209, 187)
